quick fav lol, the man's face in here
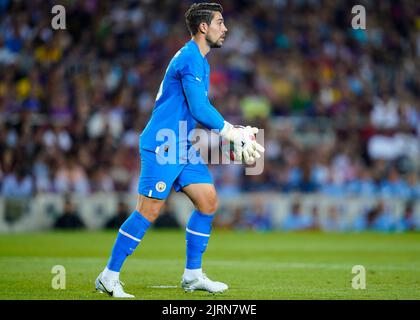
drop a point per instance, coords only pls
(216, 31)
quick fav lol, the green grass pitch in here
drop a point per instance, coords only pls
(266, 266)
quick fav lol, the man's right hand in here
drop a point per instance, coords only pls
(243, 139)
(252, 149)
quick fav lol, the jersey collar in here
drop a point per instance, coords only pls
(195, 45)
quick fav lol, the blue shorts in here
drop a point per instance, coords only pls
(156, 179)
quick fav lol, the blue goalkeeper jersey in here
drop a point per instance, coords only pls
(182, 101)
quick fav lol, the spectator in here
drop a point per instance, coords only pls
(118, 219)
(379, 218)
(231, 219)
(70, 219)
(17, 185)
(166, 219)
(314, 220)
(71, 177)
(333, 186)
(333, 222)
(414, 185)
(295, 220)
(376, 218)
(395, 186)
(407, 221)
(363, 183)
(259, 217)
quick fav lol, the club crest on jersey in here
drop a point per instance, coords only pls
(160, 186)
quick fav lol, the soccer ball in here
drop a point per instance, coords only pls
(234, 152)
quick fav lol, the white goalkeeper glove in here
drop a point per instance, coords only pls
(243, 139)
(252, 152)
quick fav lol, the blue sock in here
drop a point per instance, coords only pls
(128, 238)
(197, 236)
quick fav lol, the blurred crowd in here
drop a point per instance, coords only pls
(70, 218)
(378, 217)
(340, 107)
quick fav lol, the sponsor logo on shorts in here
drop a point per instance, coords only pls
(160, 186)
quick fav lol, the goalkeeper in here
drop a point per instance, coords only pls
(183, 97)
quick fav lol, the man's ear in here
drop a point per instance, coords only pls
(202, 27)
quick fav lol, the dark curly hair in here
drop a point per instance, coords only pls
(200, 12)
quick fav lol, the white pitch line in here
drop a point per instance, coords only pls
(162, 287)
(386, 266)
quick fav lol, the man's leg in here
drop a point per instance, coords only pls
(155, 183)
(199, 225)
(133, 230)
(128, 238)
(198, 230)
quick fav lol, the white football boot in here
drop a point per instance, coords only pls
(112, 287)
(203, 283)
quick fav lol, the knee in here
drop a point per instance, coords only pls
(208, 204)
(149, 208)
(151, 214)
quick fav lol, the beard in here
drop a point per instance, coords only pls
(214, 44)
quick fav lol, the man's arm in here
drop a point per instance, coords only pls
(203, 111)
(195, 92)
